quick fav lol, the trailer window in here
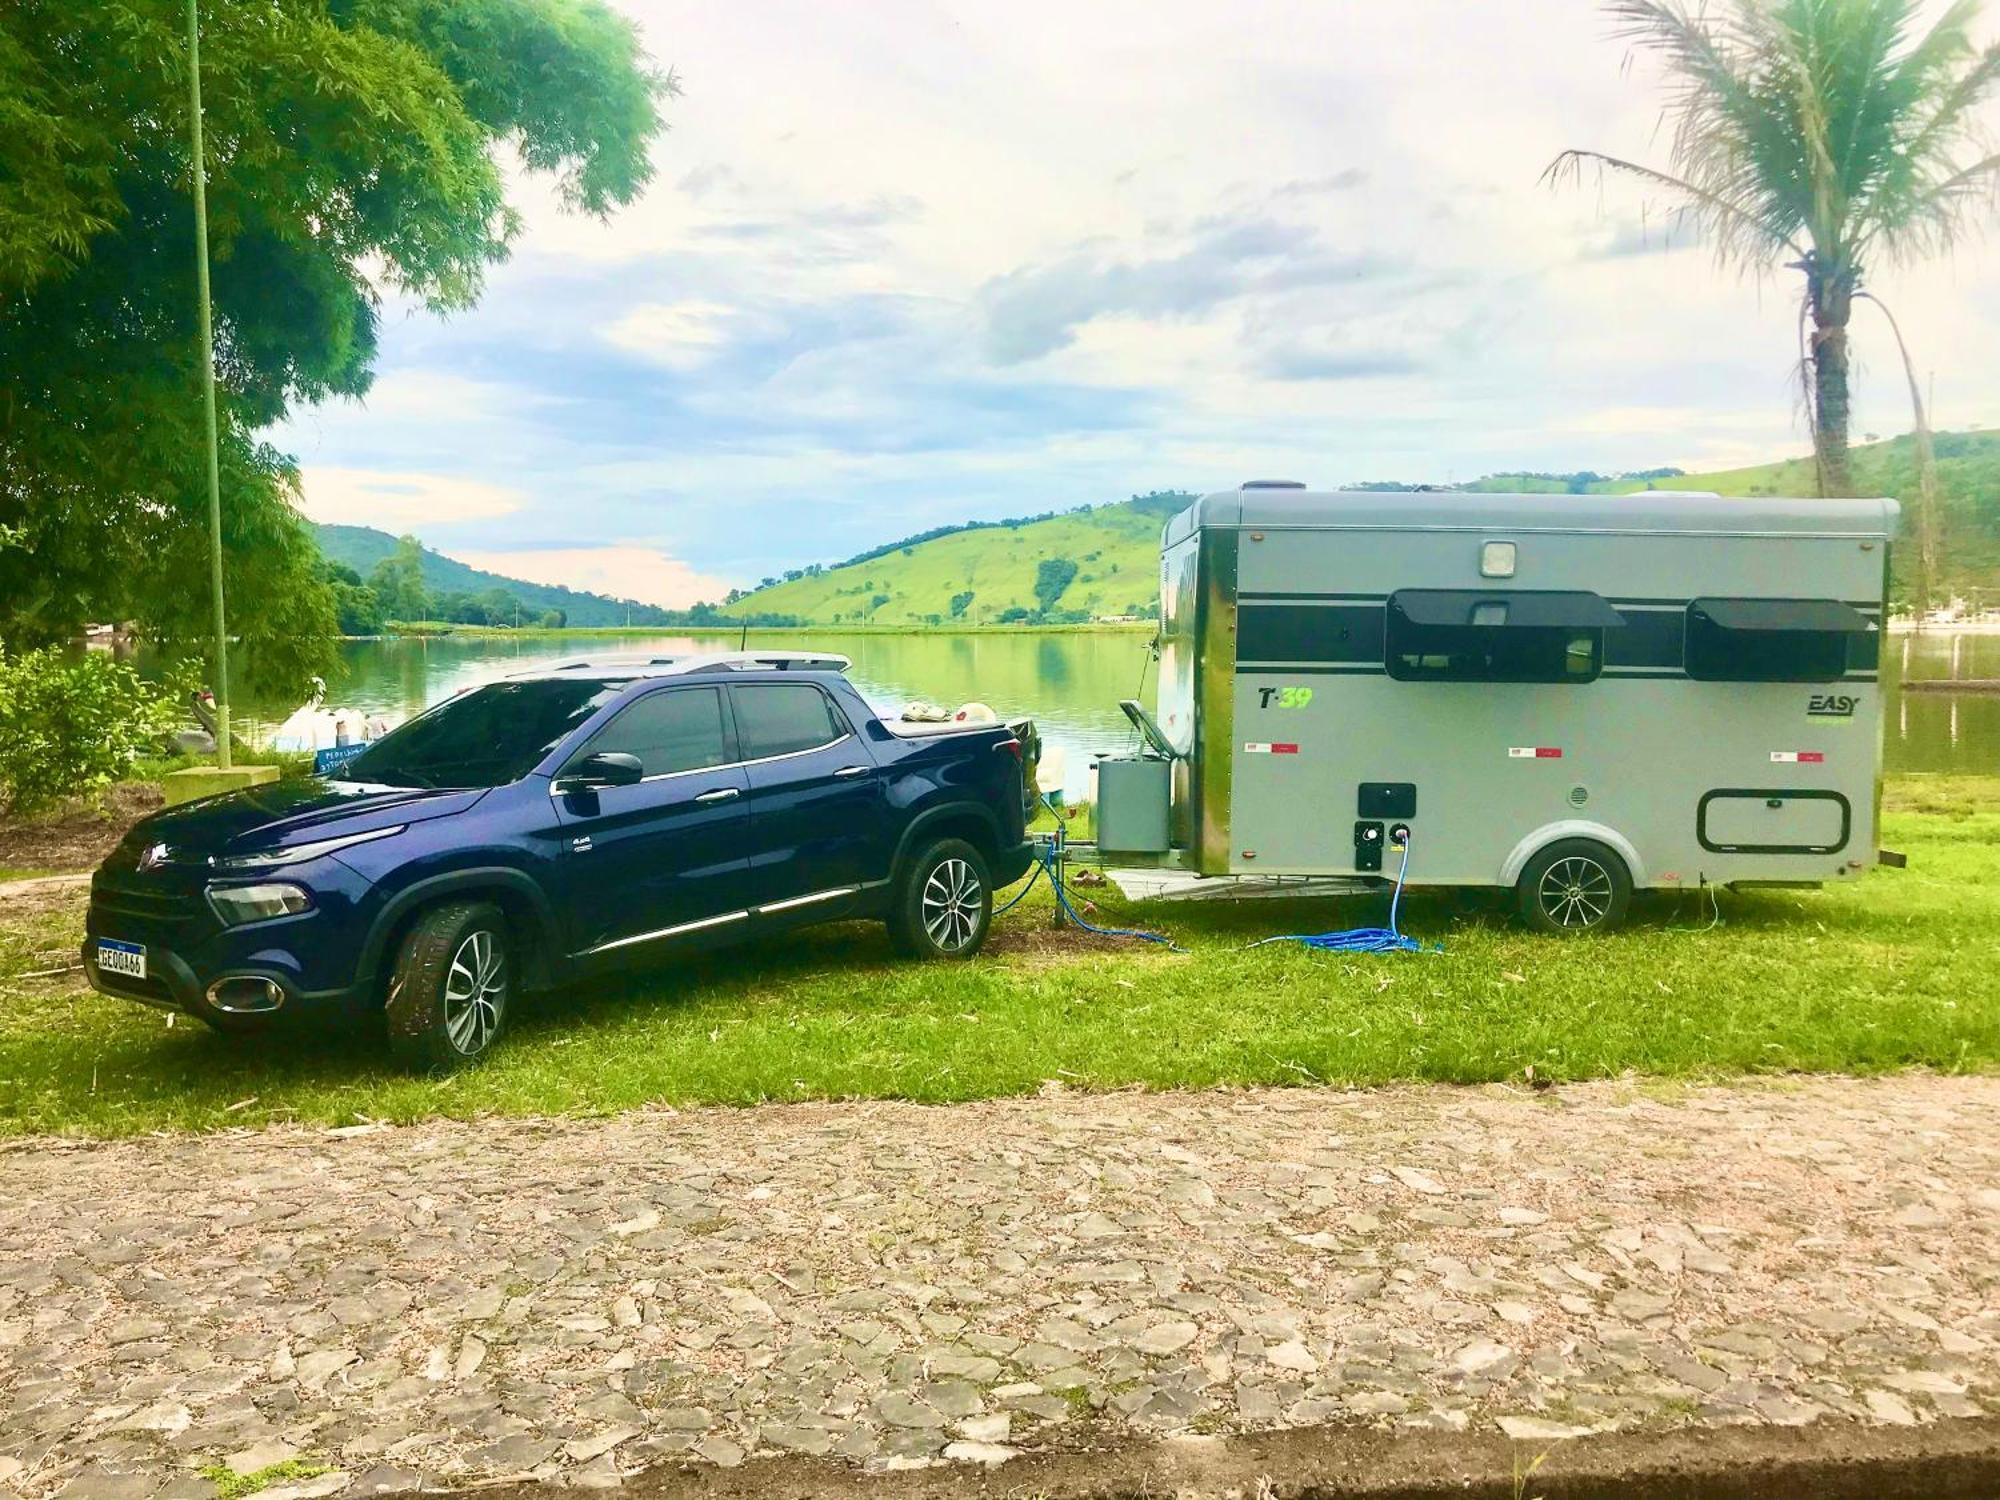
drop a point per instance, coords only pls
(1445, 653)
(1436, 635)
(1770, 640)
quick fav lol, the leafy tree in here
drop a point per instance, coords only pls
(356, 609)
(398, 581)
(72, 724)
(555, 619)
(1052, 576)
(960, 602)
(1834, 134)
(353, 147)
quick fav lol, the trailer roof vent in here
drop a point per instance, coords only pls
(1274, 484)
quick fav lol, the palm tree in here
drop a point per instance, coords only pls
(1834, 133)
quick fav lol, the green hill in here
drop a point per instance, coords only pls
(1115, 547)
(994, 569)
(362, 547)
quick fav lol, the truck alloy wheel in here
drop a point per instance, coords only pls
(449, 993)
(1575, 886)
(943, 903)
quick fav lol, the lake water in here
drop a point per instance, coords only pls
(1071, 683)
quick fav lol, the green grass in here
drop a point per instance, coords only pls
(1117, 547)
(230, 1485)
(1896, 971)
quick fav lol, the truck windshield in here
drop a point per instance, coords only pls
(483, 738)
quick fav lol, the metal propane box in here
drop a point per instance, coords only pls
(1134, 800)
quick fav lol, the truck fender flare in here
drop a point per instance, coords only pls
(930, 817)
(433, 887)
(1573, 828)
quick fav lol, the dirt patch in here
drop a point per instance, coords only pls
(1956, 1460)
(1033, 941)
(23, 901)
(77, 837)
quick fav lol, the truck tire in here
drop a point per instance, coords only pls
(449, 991)
(943, 903)
(1574, 886)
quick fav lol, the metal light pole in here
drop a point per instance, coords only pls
(208, 389)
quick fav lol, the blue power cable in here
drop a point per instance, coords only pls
(1047, 858)
(1362, 939)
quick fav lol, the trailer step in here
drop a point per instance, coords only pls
(1180, 885)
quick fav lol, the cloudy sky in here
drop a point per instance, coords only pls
(917, 261)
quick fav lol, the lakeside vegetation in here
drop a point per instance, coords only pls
(1892, 972)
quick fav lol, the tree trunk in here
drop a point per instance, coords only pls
(1924, 579)
(1830, 294)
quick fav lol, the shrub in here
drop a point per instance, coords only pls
(73, 724)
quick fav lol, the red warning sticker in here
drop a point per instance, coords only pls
(1798, 757)
(1265, 747)
(1534, 752)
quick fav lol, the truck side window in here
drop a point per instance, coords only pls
(680, 730)
(782, 718)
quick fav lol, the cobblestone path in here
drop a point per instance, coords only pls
(894, 1284)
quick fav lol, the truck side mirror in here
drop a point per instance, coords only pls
(606, 768)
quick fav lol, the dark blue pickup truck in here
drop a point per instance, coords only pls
(553, 824)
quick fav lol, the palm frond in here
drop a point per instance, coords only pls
(1830, 126)
(1729, 222)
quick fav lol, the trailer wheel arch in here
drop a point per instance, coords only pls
(1572, 828)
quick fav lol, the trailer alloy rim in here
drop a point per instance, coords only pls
(475, 988)
(951, 904)
(1576, 892)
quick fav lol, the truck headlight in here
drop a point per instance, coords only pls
(265, 859)
(237, 904)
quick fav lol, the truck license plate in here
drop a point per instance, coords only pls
(128, 959)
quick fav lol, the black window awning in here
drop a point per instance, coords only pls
(1518, 609)
(1816, 616)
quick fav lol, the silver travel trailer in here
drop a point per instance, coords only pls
(1570, 695)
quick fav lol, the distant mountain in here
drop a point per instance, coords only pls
(362, 547)
(1105, 560)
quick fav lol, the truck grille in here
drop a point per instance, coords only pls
(146, 903)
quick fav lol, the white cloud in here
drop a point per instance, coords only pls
(679, 335)
(626, 571)
(787, 350)
(402, 500)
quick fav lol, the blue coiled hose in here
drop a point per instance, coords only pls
(1362, 939)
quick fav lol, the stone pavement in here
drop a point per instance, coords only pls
(896, 1285)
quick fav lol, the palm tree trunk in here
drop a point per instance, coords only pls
(1925, 581)
(1830, 297)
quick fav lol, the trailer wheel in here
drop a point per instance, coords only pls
(1574, 886)
(944, 903)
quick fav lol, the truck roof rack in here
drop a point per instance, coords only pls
(701, 661)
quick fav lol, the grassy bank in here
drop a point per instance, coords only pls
(1896, 971)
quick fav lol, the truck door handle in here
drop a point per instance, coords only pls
(848, 773)
(720, 794)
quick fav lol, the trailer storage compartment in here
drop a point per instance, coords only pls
(1774, 821)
